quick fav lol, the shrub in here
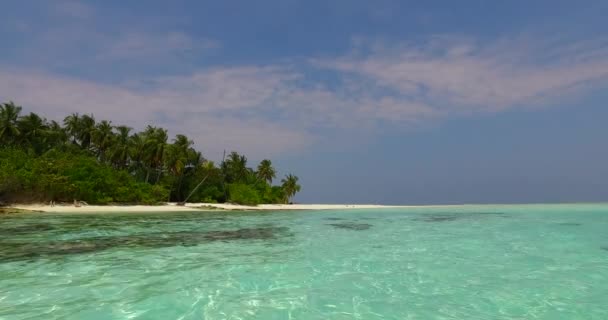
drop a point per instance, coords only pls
(243, 194)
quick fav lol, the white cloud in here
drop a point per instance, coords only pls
(183, 105)
(266, 110)
(458, 75)
(253, 137)
(73, 35)
(222, 88)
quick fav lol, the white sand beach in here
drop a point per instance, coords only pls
(173, 207)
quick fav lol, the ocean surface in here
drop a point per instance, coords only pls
(464, 262)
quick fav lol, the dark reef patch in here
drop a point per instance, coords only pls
(263, 233)
(604, 248)
(438, 218)
(19, 225)
(571, 224)
(489, 213)
(25, 229)
(334, 219)
(16, 251)
(351, 226)
(446, 217)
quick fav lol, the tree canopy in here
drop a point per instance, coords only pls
(99, 162)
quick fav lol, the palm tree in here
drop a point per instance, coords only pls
(80, 129)
(9, 131)
(119, 151)
(265, 171)
(175, 159)
(102, 138)
(179, 158)
(72, 126)
(235, 168)
(137, 154)
(33, 131)
(55, 135)
(86, 130)
(182, 142)
(178, 154)
(195, 159)
(208, 165)
(155, 145)
(290, 186)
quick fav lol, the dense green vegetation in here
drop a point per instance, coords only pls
(98, 162)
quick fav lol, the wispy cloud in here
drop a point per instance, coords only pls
(74, 36)
(69, 47)
(188, 105)
(288, 106)
(454, 75)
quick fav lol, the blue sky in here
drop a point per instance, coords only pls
(368, 102)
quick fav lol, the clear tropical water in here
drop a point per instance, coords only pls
(469, 262)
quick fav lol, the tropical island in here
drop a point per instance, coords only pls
(83, 160)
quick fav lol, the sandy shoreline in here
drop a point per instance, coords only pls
(172, 207)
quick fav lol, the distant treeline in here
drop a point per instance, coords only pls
(98, 162)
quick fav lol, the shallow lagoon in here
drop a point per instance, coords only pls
(465, 262)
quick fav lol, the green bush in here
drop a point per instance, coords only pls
(243, 194)
(97, 162)
(65, 176)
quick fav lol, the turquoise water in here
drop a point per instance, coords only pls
(468, 262)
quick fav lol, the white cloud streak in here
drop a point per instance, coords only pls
(452, 76)
(184, 105)
(277, 108)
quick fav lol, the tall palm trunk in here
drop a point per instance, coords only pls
(179, 187)
(160, 171)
